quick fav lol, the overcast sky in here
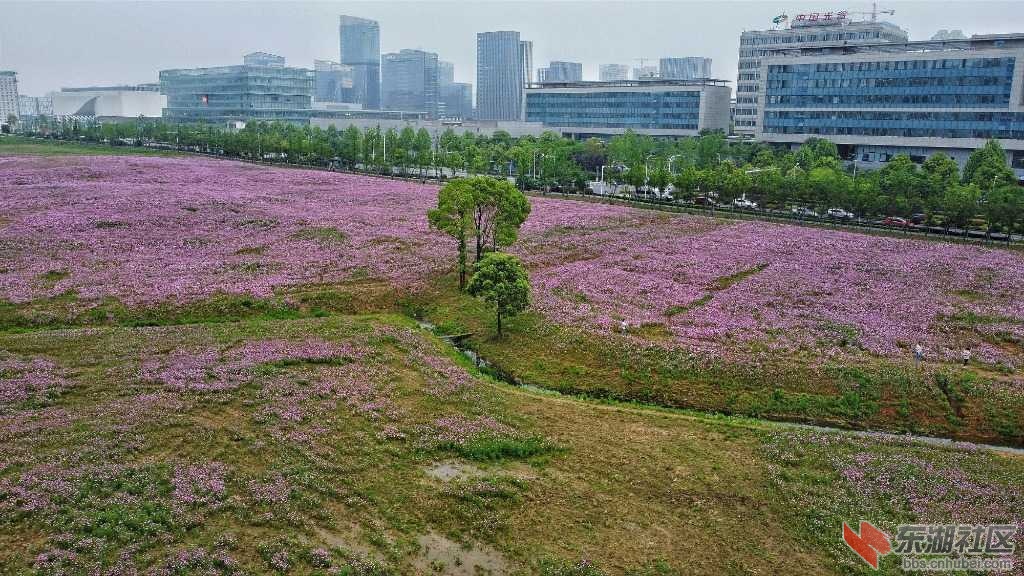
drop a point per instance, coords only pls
(53, 44)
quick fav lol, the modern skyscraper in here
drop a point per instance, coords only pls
(501, 73)
(561, 72)
(457, 101)
(688, 68)
(526, 60)
(613, 72)
(410, 82)
(806, 30)
(332, 82)
(360, 48)
(445, 72)
(8, 95)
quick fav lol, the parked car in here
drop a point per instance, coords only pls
(744, 203)
(803, 212)
(918, 218)
(895, 221)
(840, 214)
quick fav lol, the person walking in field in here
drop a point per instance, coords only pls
(966, 356)
(918, 353)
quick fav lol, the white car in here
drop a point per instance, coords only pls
(802, 211)
(744, 203)
(840, 213)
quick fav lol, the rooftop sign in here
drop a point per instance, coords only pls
(819, 19)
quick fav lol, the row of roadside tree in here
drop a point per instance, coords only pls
(984, 195)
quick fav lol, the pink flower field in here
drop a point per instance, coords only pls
(147, 230)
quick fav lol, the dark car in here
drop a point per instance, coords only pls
(918, 218)
(895, 221)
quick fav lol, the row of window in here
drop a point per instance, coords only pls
(946, 64)
(890, 100)
(903, 82)
(827, 37)
(982, 134)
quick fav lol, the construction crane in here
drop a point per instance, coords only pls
(874, 12)
(641, 60)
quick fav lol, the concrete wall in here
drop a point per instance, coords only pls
(124, 104)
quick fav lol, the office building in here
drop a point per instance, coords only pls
(238, 93)
(410, 82)
(645, 72)
(689, 68)
(526, 60)
(915, 98)
(109, 101)
(35, 106)
(613, 72)
(359, 40)
(502, 71)
(811, 30)
(457, 101)
(655, 107)
(332, 82)
(561, 72)
(445, 73)
(8, 95)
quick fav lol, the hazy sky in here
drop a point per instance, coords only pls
(53, 44)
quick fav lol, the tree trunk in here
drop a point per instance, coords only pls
(462, 263)
(499, 323)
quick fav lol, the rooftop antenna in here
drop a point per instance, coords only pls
(875, 12)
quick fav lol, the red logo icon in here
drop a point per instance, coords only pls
(870, 544)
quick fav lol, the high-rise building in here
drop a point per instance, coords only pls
(688, 68)
(613, 72)
(457, 101)
(445, 73)
(332, 81)
(8, 95)
(501, 74)
(561, 72)
(238, 93)
(359, 40)
(812, 30)
(916, 98)
(645, 72)
(410, 82)
(526, 60)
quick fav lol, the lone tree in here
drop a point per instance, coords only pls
(454, 216)
(499, 209)
(502, 281)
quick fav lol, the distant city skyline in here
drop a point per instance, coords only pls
(139, 39)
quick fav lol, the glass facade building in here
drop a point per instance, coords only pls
(359, 40)
(561, 72)
(411, 82)
(688, 68)
(876, 102)
(238, 93)
(503, 64)
(756, 45)
(648, 107)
